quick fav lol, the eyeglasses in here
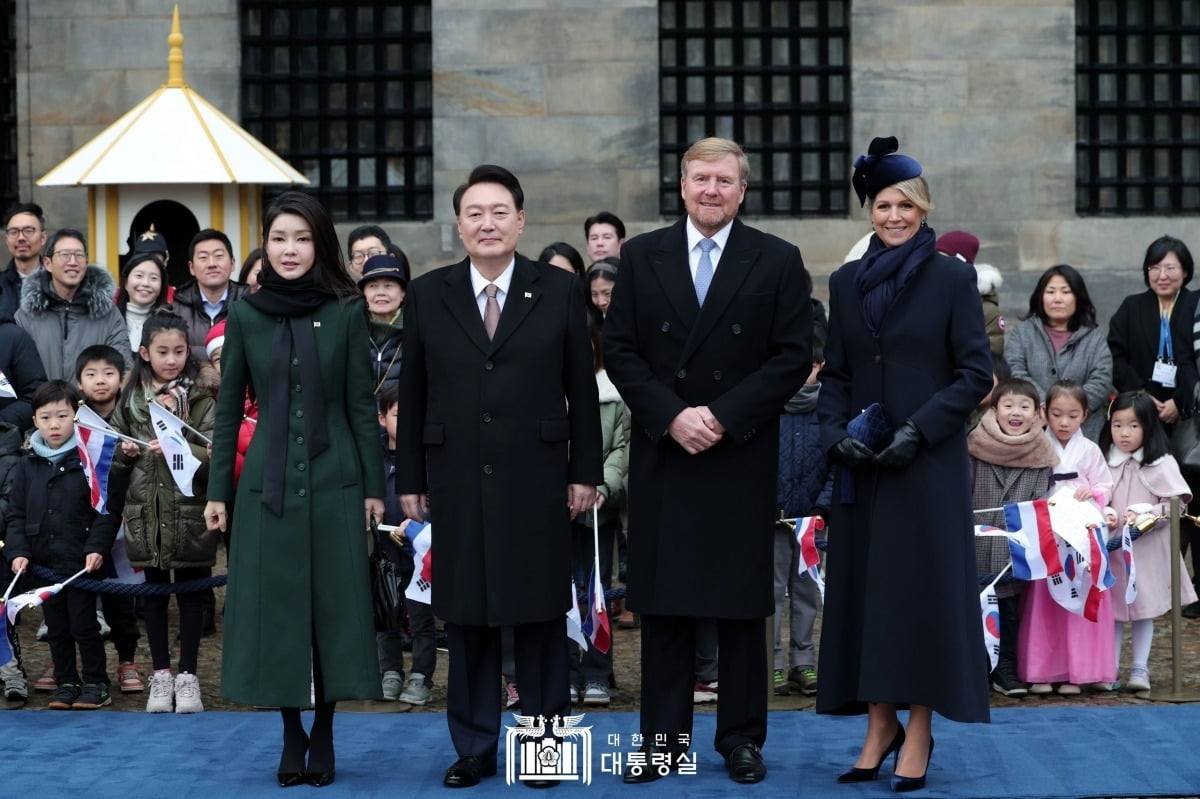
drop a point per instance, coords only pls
(1170, 269)
(358, 257)
(71, 255)
(27, 232)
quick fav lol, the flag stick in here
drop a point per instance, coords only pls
(79, 573)
(121, 436)
(11, 585)
(595, 551)
(183, 422)
(999, 574)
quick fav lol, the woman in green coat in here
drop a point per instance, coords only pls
(313, 476)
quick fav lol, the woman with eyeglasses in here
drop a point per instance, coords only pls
(68, 306)
(1152, 338)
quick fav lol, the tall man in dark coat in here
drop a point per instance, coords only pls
(499, 437)
(705, 380)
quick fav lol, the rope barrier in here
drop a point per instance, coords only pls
(131, 589)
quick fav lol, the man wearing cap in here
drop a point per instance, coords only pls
(204, 300)
(707, 337)
(962, 245)
(383, 283)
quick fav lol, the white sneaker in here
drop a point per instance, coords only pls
(42, 632)
(416, 692)
(393, 683)
(105, 630)
(1139, 680)
(162, 693)
(187, 693)
(1040, 688)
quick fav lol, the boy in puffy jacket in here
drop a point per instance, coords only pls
(51, 522)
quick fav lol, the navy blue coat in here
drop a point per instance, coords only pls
(901, 619)
(805, 480)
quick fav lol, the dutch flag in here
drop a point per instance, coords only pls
(1037, 558)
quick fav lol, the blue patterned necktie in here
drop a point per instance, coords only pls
(704, 271)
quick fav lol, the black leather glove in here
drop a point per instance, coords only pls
(906, 443)
(851, 452)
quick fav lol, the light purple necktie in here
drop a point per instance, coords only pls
(491, 311)
(704, 270)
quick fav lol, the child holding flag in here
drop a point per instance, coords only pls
(98, 371)
(51, 522)
(1055, 645)
(1011, 461)
(164, 508)
(1145, 477)
(805, 489)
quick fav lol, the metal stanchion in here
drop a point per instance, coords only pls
(1177, 693)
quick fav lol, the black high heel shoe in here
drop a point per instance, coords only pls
(867, 774)
(905, 784)
(291, 766)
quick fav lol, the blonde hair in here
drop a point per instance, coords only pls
(713, 149)
(916, 190)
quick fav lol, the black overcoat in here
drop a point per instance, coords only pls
(701, 527)
(494, 431)
(902, 617)
(1133, 339)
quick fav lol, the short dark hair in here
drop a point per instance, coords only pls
(53, 391)
(59, 235)
(210, 234)
(1160, 248)
(604, 218)
(1085, 310)
(566, 251)
(26, 208)
(366, 232)
(490, 173)
(388, 396)
(99, 352)
(1154, 435)
(1015, 385)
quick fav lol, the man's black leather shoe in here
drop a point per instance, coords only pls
(745, 764)
(466, 772)
(654, 763)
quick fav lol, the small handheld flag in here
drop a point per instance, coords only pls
(596, 626)
(810, 559)
(1130, 565)
(420, 587)
(7, 390)
(574, 624)
(96, 450)
(178, 453)
(1038, 556)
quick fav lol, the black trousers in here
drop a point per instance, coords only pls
(473, 686)
(191, 619)
(70, 622)
(121, 615)
(668, 674)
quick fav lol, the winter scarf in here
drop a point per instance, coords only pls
(1030, 450)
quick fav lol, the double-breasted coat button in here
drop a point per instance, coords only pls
(301, 492)
(487, 469)
(666, 326)
(682, 373)
(300, 414)
(717, 375)
(299, 439)
(488, 366)
(295, 361)
(736, 329)
(300, 467)
(297, 388)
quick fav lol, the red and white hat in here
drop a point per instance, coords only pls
(215, 339)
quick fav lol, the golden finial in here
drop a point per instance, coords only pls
(175, 54)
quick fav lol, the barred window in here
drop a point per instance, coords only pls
(344, 92)
(1138, 106)
(775, 77)
(9, 186)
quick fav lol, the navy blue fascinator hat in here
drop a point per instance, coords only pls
(881, 167)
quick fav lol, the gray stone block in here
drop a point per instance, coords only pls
(907, 85)
(604, 88)
(988, 31)
(116, 43)
(490, 91)
(1000, 85)
(553, 142)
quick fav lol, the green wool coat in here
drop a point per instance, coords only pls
(301, 578)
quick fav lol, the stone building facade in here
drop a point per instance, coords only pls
(566, 93)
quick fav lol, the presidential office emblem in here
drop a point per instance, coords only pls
(562, 753)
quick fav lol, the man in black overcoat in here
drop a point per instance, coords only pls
(707, 337)
(499, 439)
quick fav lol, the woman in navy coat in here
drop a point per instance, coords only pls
(901, 625)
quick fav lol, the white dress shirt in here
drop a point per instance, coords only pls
(479, 283)
(721, 237)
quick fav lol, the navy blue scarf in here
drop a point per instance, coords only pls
(884, 270)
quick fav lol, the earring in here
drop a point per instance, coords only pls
(924, 222)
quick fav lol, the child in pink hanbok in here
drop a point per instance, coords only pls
(1145, 477)
(1055, 645)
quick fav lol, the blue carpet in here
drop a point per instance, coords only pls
(1025, 752)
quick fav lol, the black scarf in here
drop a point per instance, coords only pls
(292, 302)
(884, 270)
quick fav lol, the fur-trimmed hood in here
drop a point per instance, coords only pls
(988, 279)
(95, 293)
